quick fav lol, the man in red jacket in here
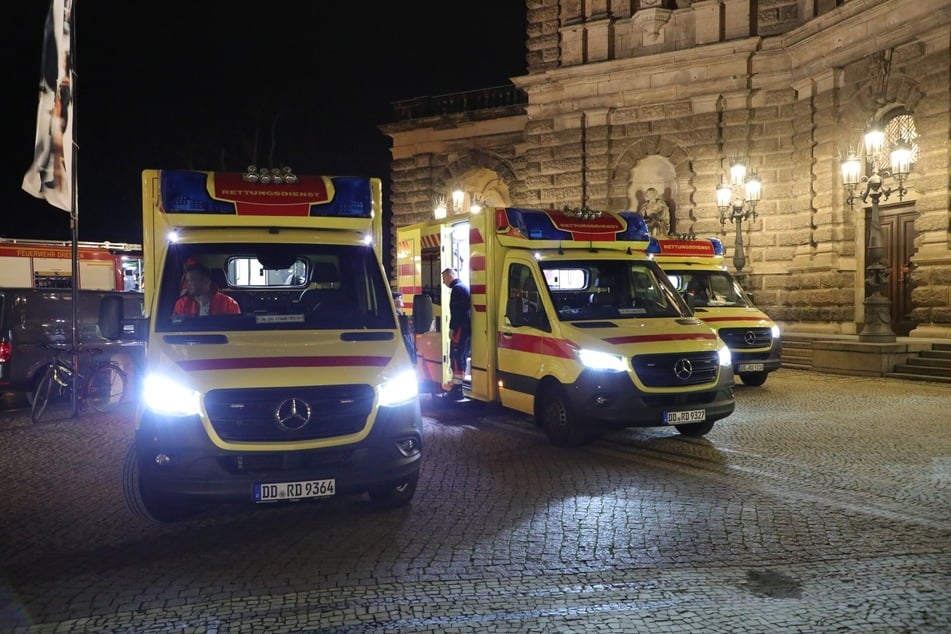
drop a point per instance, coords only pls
(202, 297)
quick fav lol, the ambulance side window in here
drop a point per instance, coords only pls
(524, 306)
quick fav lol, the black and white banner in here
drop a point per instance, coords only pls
(50, 175)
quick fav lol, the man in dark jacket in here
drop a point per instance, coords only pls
(460, 328)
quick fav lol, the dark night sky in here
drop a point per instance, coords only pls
(187, 84)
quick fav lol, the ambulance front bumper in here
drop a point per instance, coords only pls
(179, 461)
(612, 399)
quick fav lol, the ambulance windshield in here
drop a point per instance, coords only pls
(245, 286)
(610, 289)
(704, 289)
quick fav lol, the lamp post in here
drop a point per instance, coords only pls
(878, 311)
(736, 202)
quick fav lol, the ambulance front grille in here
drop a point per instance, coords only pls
(281, 414)
(737, 338)
(676, 369)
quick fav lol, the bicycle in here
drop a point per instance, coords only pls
(103, 389)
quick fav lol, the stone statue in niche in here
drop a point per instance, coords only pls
(656, 213)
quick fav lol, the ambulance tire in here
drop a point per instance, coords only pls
(559, 420)
(394, 494)
(149, 507)
(754, 379)
(695, 430)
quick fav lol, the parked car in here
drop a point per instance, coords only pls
(32, 317)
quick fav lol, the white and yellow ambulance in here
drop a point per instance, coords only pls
(571, 322)
(697, 269)
(305, 386)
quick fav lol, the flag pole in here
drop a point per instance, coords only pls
(53, 173)
(74, 204)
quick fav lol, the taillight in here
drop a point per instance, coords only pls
(5, 351)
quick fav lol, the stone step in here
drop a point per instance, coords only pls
(932, 364)
(909, 376)
(797, 353)
(924, 367)
(937, 354)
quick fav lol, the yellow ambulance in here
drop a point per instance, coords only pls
(571, 322)
(697, 270)
(277, 368)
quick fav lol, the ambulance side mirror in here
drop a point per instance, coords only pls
(114, 326)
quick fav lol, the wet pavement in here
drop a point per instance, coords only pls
(823, 504)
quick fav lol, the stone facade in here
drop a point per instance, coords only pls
(624, 96)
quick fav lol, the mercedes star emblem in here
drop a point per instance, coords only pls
(293, 414)
(683, 369)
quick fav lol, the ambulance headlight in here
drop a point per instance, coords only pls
(602, 360)
(774, 330)
(167, 397)
(726, 359)
(399, 390)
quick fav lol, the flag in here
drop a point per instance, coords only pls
(50, 175)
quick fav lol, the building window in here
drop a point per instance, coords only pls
(899, 126)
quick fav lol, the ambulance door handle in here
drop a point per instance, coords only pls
(507, 333)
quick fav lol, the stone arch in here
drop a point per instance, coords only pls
(469, 169)
(678, 192)
(902, 94)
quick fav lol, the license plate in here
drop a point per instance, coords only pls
(282, 491)
(750, 367)
(689, 416)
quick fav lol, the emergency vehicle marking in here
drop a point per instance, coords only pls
(251, 363)
(659, 337)
(703, 248)
(603, 228)
(215, 193)
(548, 346)
(53, 252)
(252, 199)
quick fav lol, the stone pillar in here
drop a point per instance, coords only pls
(707, 19)
(740, 21)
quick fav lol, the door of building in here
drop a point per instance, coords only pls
(898, 237)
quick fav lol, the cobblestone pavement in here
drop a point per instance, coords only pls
(823, 504)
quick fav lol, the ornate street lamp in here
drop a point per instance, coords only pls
(736, 202)
(439, 207)
(878, 312)
(451, 206)
(458, 197)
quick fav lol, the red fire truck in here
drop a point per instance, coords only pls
(48, 264)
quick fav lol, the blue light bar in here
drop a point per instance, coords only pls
(199, 192)
(553, 225)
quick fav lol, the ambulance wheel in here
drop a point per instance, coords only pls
(394, 494)
(695, 430)
(559, 420)
(754, 379)
(148, 507)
